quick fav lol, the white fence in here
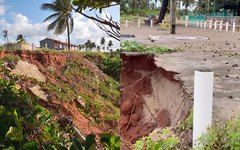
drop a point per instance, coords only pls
(215, 25)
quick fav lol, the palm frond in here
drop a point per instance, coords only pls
(52, 25)
(71, 24)
(61, 26)
(51, 17)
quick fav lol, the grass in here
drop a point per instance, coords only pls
(133, 46)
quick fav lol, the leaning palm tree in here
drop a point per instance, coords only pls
(21, 38)
(62, 17)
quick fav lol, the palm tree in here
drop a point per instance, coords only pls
(187, 3)
(103, 42)
(88, 45)
(110, 44)
(62, 17)
(5, 36)
(201, 6)
(21, 38)
(98, 48)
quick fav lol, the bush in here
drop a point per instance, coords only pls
(167, 141)
(222, 136)
(132, 46)
(11, 59)
(111, 66)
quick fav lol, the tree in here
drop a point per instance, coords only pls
(110, 44)
(98, 48)
(201, 6)
(62, 17)
(81, 46)
(21, 38)
(107, 24)
(163, 11)
(187, 3)
(5, 36)
(102, 42)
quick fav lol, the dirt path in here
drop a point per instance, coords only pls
(215, 50)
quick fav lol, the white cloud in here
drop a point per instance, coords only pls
(84, 29)
(2, 10)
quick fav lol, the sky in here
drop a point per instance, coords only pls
(25, 17)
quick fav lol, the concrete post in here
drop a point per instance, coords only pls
(33, 48)
(210, 24)
(201, 24)
(46, 45)
(139, 23)
(203, 99)
(186, 21)
(215, 25)
(220, 26)
(197, 23)
(234, 27)
(151, 23)
(205, 24)
(227, 24)
(126, 23)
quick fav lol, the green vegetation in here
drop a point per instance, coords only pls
(187, 123)
(132, 46)
(11, 59)
(222, 136)
(25, 124)
(167, 140)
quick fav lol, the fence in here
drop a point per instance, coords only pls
(220, 23)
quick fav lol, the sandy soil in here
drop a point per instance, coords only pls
(213, 49)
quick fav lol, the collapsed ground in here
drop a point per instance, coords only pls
(71, 85)
(197, 49)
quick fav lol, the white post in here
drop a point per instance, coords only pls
(201, 24)
(139, 23)
(126, 23)
(234, 27)
(197, 23)
(33, 47)
(220, 26)
(205, 24)
(202, 108)
(186, 21)
(46, 45)
(227, 26)
(151, 23)
(210, 24)
(215, 25)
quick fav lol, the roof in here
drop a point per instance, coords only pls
(60, 42)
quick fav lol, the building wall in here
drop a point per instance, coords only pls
(55, 45)
(50, 44)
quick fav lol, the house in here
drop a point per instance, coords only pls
(56, 44)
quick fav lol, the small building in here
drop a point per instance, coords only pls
(56, 44)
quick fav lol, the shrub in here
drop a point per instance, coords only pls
(132, 46)
(222, 136)
(166, 141)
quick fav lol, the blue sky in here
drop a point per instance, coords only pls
(26, 17)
